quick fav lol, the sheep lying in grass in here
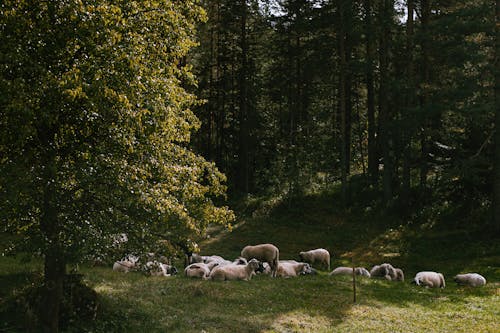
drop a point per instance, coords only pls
(263, 252)
(293, 269)
(126, 264)
(156, 268)
(385, 270)
(429, 279)
(320, 256)
(235, 272)
(470, 279)
(199, 270)
(348, 271)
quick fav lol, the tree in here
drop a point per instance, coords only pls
(496, 176)
(95, 123)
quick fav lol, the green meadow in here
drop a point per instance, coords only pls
(134, 302)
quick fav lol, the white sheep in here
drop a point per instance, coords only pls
(384, 270)
(198, 270)
(320, 256)
(429, 279)
(235, 272)
(290, 269)
(348, 271)
(470, 279)
(263, 252)
(156, 268)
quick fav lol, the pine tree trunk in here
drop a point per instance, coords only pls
(407, 135)
(496, 175)
(424, 167)
(372, 145)
(384, 112)
(342, 99)
(243, 169)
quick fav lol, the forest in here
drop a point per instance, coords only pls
(173, 128)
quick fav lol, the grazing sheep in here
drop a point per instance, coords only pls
(320, 256)
(470, 279)
(400, 276)
(289, 269)
(348, 271)
(385, 270)
(197, 270)
(429, 279)
(235, 272)
(263, 252)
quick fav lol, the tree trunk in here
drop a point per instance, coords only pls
(407, 134)
(243, 168)
(496, 175)
(384, 112)
(54, 265)
(342, 100)
(424, 168)
(373, 162)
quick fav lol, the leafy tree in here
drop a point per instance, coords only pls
(95, 123)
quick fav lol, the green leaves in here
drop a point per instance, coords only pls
(98, 85)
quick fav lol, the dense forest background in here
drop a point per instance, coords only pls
(394, 100)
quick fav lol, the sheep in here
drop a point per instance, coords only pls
(235, 272)
(156, 268)
(470, 279)
(263, 252)
(289, 269)
(400, 276)
(125, 265)
(240, 261)
(348, 271)
(320, 256)
(384, 270)
(198, 270)
(429, 279)
(264, 268)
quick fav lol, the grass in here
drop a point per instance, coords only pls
(136, 303)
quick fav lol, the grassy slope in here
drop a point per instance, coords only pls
(132, 302)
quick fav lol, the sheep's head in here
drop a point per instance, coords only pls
(172, 270)
(261, 268)
(301, 256)
(254, 264)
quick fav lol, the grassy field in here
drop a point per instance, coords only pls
(136, 303)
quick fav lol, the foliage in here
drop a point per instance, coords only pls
(95, 124)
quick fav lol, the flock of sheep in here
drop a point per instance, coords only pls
(264, 259)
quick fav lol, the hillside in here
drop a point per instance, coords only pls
(133, 302)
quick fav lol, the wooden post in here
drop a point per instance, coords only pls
(353, 282)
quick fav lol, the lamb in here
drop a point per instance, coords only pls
(235, 272)
(320, 256)
(198, 270)
(289, 269)
(348, 271)
(429, 279)
(470, 279)
(385, 270)
(263, 252)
